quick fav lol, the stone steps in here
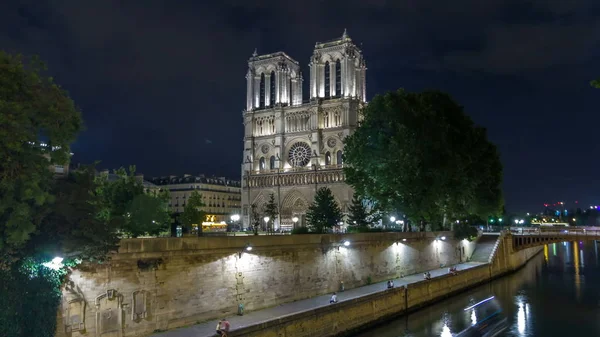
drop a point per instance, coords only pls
(485, 247)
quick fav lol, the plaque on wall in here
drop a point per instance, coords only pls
(140, 305)
(109, 314)
(75, 315)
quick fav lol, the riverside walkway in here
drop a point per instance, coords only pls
(207, 329)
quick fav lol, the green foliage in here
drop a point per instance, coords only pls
(122, 203)
(324, 212)
(30, 299)
(73, 226)
(595, 83)
(271, 209)
(420, 154)
(359, 229)
(465, 231)
(300, 230)
(359, 216)
(33, 109)
(255, 218)
(193, 213)
(147, 215)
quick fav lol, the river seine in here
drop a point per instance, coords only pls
(556, 294)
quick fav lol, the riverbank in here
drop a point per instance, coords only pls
(363, 307)
(309, 306)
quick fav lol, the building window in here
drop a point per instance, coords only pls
(327, 80)
(327, 158)
(291, 98)
(261, 103)
(272, 163)
(261, 163)
(272, 97)
(340, 159)
(338, 78)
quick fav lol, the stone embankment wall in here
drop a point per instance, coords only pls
(348, 316)
(165, 283)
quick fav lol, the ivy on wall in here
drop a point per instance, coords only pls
(29, 299)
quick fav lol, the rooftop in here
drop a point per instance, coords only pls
(256, 57)
(190, 179)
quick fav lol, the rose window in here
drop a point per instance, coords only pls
(299, 154)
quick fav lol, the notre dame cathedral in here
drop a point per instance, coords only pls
(294, 147)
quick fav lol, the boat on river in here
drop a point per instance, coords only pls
(487, 319)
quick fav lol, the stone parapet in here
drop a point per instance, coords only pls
(165, 283)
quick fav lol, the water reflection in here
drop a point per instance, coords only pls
(554, 295)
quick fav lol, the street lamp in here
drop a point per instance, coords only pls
(266, 219)
(55, 264)
(235, 217)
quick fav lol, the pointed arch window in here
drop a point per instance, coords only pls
(340, 158)
(327, 158)
(291, 97)
(261, 103)
(272, 96)
(327, 80)
(338, 78)
(272, 163)
(261, 163)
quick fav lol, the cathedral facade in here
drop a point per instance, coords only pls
(293, 147)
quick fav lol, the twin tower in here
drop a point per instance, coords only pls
(337, 69)
(293, 146)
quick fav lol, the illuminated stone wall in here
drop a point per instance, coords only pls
(160, 284)
(363, 312)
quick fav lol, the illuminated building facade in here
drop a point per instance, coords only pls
(293, 147)
(221, 196)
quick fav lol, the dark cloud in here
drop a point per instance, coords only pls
(157, 81)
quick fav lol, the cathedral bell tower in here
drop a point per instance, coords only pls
(272, 80)
(338, 70)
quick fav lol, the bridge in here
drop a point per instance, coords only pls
(524, 237)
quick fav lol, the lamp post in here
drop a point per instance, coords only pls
(295, 220)
(266, 219)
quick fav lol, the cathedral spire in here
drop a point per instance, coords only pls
(254, 53)
(345, 35)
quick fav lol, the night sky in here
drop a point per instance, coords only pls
(161, 83)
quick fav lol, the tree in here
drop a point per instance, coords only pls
(73, 227)
(465, 231)
(255, 218)
(271, 210)
(359, 216)
(193, 213)
(595, 83)
(324, 212)
(38, 123)
(123, 204)
(420, 154)
(147, 214)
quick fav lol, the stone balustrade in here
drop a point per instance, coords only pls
(327, 175)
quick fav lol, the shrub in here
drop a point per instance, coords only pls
(300, 230)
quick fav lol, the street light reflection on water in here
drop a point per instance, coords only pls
(552, 295)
